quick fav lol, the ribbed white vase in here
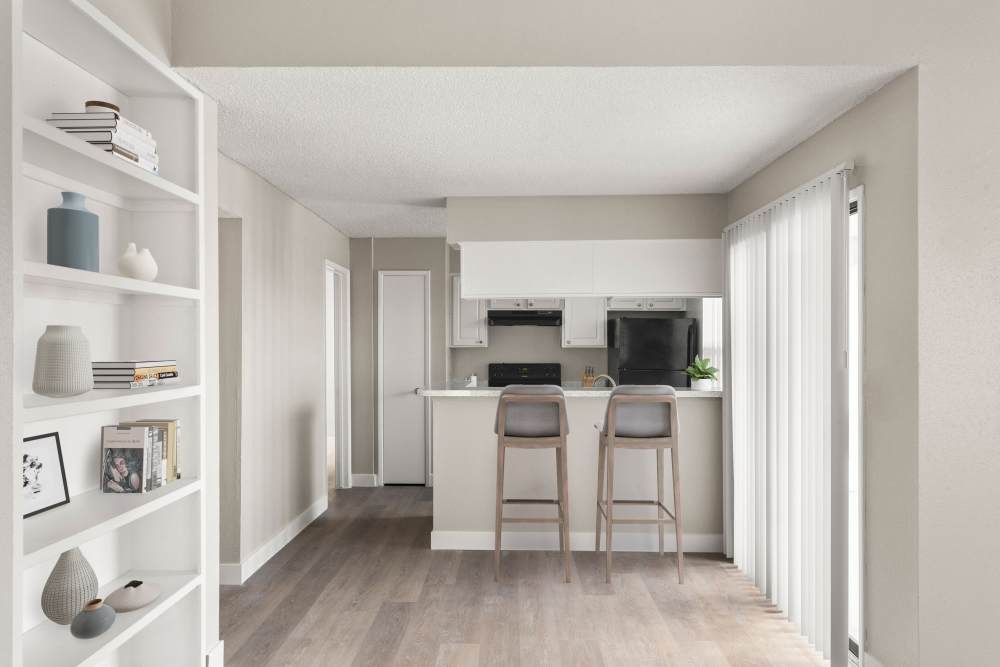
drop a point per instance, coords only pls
(62, 362)
(71, 585)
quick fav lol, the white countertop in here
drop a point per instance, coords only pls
(572, 391)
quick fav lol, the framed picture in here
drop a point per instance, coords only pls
(43, 474)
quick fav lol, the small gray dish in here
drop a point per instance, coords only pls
(93, 620)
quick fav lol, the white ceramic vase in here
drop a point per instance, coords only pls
(71, 585)
(702, 385)
(62, 362)
(138, 264)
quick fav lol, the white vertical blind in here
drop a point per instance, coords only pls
(779, 323)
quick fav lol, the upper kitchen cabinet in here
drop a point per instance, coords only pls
(674, 267)
(585, 322)
(468, 319)
(667, 268)
(526, 303)
(646, 303)
(517, 268)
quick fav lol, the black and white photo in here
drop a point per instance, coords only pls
(43, 477)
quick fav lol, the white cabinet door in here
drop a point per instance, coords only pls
(506, 304)
(468, 319)
(514, 268)
(585, 322)
(627, 302)
(666, 303)
(674, 267)
(544, 304)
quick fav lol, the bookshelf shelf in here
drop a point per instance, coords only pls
(92, 514)
(51, 645)
(38, 273)
(52, 150)
(41, 408)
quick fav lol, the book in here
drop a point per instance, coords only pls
(125, 458)
(119, 135)
(124, 384)
(123, 154)
(95, 119)
(127, 149)
(172, 429)
(138, 376)
(157, 466)
(133, 364)
(118, 373)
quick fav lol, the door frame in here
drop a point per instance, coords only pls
(342, 380)
(379, 381)
(857, 193)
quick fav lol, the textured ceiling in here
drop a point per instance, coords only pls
(374, 151)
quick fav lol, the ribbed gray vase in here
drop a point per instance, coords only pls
(62, 362)
(73, 234)
(71, 585)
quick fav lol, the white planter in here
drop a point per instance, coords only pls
(138, 265)
(702, 385)
(62, 363)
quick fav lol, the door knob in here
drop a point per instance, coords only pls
(416, 390)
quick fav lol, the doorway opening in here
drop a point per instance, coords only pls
(338, 375)
(404, 366)
(855, 449)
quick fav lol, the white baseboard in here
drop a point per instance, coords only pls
(216, 655)
(871, 661)
(364, 480)
(234, 574)
(539, 540)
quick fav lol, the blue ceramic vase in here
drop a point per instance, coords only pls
(73, 235)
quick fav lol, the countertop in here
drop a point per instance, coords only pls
(572, 390)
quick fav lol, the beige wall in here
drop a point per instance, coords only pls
(586, 218)
(368, 257)
(282, 426)
(880, 135)
(148, 21)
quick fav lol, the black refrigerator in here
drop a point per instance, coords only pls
(654, 350)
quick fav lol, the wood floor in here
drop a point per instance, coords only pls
(360, 586)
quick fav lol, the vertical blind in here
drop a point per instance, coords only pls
(779, 340)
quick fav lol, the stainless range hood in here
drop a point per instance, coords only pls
(520, 318)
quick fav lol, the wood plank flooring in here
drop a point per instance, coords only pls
(360, 586)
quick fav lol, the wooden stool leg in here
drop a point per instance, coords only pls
(559, 494)
(564, 505)
(610, 508)
(659, 495)
(499, 517)
(601, 461)
(678, 527)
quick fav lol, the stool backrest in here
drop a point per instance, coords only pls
(641, 411)
(531, 411)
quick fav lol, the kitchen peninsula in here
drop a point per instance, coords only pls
(464, 450)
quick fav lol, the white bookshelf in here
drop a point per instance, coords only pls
(69, 53)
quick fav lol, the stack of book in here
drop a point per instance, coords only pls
(103, 126)
(141, 456)
(134, 374)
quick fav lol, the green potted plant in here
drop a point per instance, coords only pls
(703, 374)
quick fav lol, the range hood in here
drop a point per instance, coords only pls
(520, 318)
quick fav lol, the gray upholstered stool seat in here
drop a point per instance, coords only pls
(639, 417)
(533, 417)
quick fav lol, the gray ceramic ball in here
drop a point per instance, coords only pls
(95, 618)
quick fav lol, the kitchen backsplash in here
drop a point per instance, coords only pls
(526, 345)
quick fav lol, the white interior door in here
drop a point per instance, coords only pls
(404, 366)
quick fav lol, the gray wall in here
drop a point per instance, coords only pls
(282, 294)
(880, 135)
(368, 257)
(587, 218)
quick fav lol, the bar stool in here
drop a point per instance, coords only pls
(639, 417)
(533, 417)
